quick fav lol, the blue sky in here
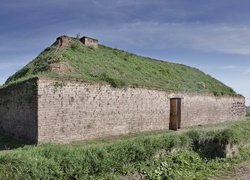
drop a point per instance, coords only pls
(213, 35)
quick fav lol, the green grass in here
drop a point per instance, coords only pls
(248, 110)
(187, 164)
(130, 155)
(121, 69)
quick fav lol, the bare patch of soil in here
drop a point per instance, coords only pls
(62, 68)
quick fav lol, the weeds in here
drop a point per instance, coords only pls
(193, 158)
(77, 162)
(182, 165)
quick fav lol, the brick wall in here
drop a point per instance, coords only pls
(89, 42)
(42, 110)
(201, 109)
(71, 110)
(18, 111)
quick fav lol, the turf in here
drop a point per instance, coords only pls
(120, 69)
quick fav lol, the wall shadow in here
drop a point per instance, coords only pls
(9, 143)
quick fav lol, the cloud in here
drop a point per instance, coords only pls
(247, 71)
(132, 22)
(220, 38)
(228, 68)
(207, 38)
(223, 67)
(112, 4)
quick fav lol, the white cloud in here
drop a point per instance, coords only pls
(247, 71)
(229, 67)
(241, 86)
(222, 38)
(112, 4)
(222, 67)
(240, 70)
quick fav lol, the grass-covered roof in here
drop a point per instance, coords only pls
(117, 67)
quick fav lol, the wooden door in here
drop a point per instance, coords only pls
(175, 114)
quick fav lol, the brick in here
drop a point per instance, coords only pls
(78, 110)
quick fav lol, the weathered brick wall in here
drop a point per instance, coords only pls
(89, 42)
(201, 109)
(71, 110)
(18, 111)
(42, 110)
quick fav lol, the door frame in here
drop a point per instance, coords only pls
(175, 113)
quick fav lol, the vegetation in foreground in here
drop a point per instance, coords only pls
(120, 69)
(248, 110)
(8, 143)
(139, 156)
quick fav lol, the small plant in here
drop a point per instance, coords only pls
(58, 84)
(78, 35)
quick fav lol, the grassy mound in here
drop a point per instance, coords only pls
(119, 68)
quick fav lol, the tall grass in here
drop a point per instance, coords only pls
(127, 156)
(52, 161)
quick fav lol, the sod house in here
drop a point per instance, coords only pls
(73, 92)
